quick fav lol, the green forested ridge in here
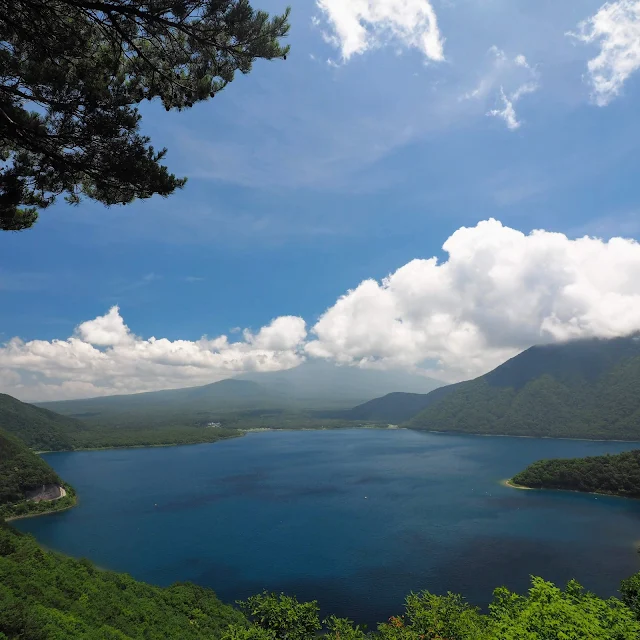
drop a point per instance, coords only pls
(40, 429)
(21, 471)
(46, 596)
(614, 474)
(580, 389)
(43, 429)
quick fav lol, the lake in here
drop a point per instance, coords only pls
(353, 518)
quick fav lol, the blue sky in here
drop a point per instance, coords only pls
(308, 176)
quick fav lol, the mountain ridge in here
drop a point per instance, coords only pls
(309, 386)
(579, 389)
(37, 427)
(584, 388)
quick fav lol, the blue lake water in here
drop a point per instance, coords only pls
(354, 518)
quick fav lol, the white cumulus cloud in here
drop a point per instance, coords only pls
(105, 357)
(357, 26)
(515, 78)
(616, 28)
(499, 292)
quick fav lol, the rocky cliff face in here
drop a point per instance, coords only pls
(46, 492)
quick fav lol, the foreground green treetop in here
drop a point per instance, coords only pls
(544, 613)
(72, 73)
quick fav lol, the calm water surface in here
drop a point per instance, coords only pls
(353, 518)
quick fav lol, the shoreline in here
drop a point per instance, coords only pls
(241, 432)
(506, 435)
(24, 516)
(511, 485)
(146, 446)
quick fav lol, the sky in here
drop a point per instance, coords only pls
(426, 185)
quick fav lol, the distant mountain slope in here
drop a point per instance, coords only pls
(21, 470)
(319, 384)
(310, 385)
(39, 428)
(226, 395)
(580, 389)
(393, 408)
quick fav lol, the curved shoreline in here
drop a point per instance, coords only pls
(73, 496)
(511, 485)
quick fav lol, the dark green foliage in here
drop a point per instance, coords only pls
(614, 474)
(343, 629)
(21, 470)
(283, 617)
(72, 73)
(47, 596)
(107, 437)
(630, 590)
(545, 613)
(40, 429)
(581, 389)
(431, 616)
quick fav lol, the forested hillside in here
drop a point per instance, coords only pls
(581, 389)
(614, 474)
(22, 472)
(40, 429)
(44, 430)
(47, 596)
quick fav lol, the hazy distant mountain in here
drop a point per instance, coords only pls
(225, 395)
(580, 389)
(393, 408)
(311, 385)
(320, 384)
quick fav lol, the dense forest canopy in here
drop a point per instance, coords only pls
(46, 596)
(614, 474)
(72, 73)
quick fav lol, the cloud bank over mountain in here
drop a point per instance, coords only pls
(498, 292)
